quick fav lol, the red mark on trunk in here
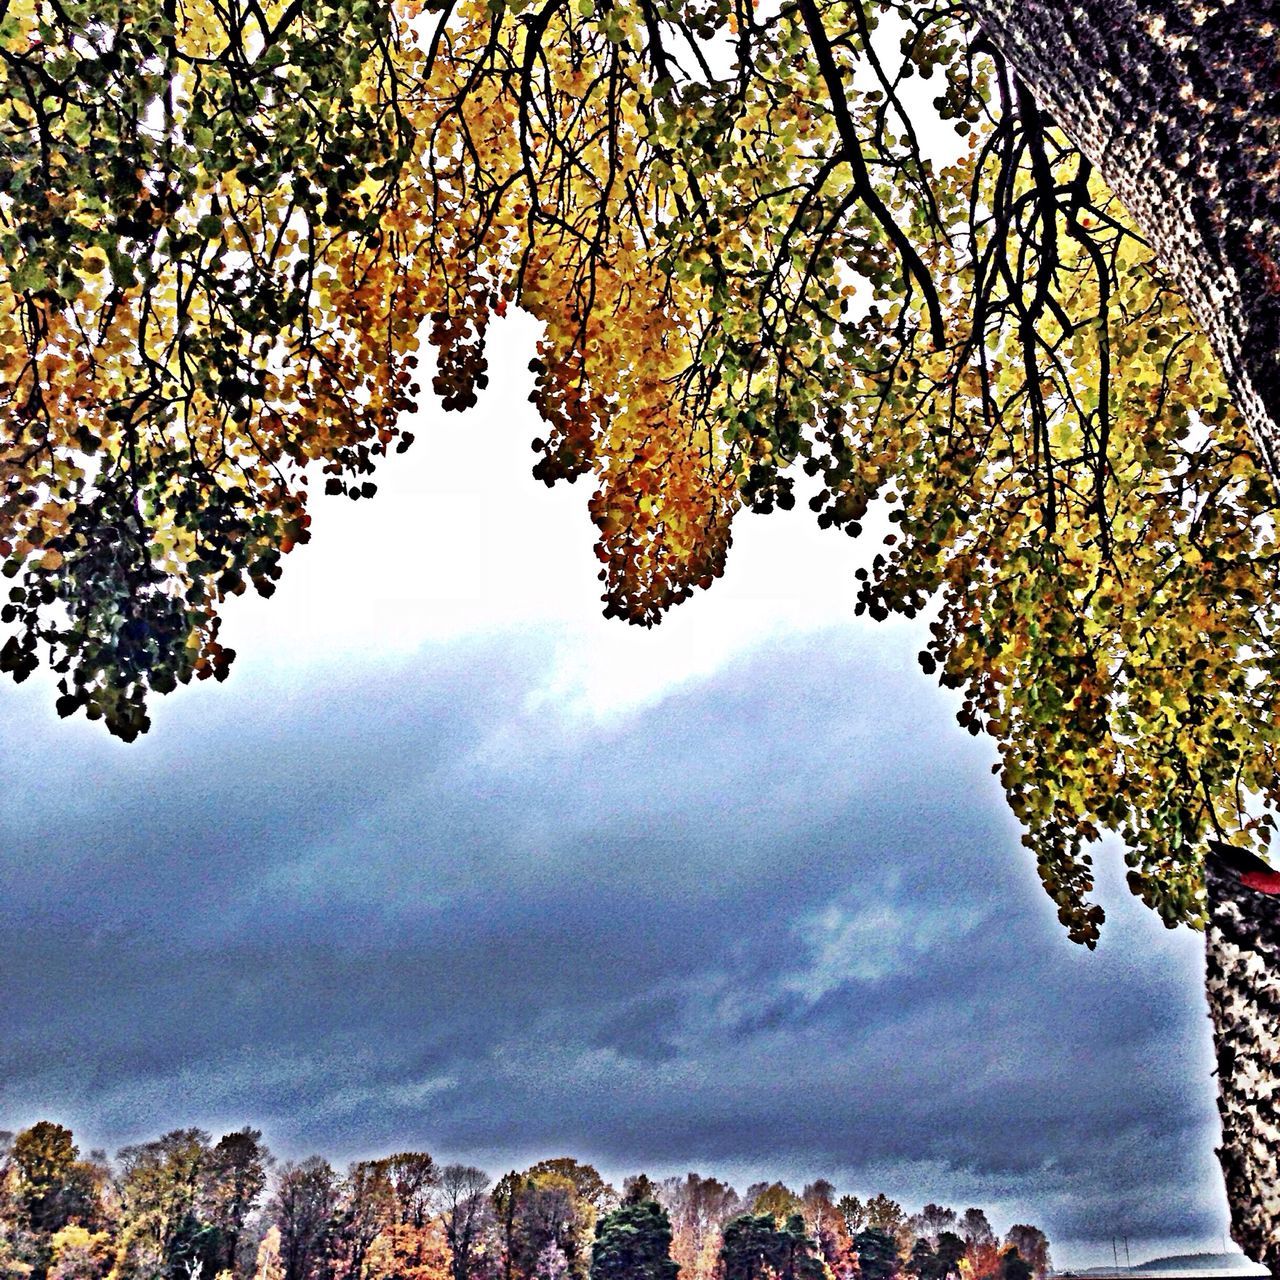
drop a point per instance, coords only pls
(1263, 881)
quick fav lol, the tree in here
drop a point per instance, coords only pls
(402, 1251)
(951, 1249)
(884, 1214)
(366, 1207)
(552, 1263)
(975, 1228)
(983, 1260)
(78, 1254)
(853, 1212)
(162, 1228)
(825, 1223)
(236, 1175)
(923, 1262)
(1032, 1245)
(585, 1179)
(464, 1213)
(1013, 1266)
(550, 1213)
(756, 1247)
(877, 1254)
(414, 1179)
(1242, 963)
(504, 1200)
(304, 1209)
(638, 1188)
(699, 1207)
(774, 1198)
(965, 375)
(736, 273)
(54, 1186)
(932, 1221)
(633, 1242)
(267, 1264)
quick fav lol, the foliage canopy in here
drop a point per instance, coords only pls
(225, 224)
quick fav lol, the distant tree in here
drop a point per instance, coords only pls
(79, 1254)
(877, 1254)
(1033, 1245)
(775, 1199)
(413, 1177)
(504, 1200)
(401, 1251)
(267, 1264)
(235, 1177)
(932, 1221)
(549, 1211)
(982, 1261)
(13, 1264)
(975, 1228)
(951, 1250)
(633, 1242)
(588, 1185)
(1013, 1266)
(884, 1214)
(366, 1207)
(638, 1189)
(756, 1246)
(699, 1207)
(161, 1185)
(552, 1263)
(923, 1262)
(53, 1185)
(854, 1213)
(464, 1214)
(826, 1225)
(818, 1203)
(304, 1208)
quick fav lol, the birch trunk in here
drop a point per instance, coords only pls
(1242, 982)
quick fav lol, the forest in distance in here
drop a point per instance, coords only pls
(183, 1207)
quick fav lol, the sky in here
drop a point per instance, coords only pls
(452, 863)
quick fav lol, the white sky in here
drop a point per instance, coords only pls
(461, 540)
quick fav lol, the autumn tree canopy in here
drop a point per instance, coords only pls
(227, 229)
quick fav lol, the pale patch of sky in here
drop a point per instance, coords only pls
(870, 943)
(460, 541)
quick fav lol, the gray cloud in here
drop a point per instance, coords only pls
(778, 922)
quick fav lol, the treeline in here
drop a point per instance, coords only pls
(184, 1207)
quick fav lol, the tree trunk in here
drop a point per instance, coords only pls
(1242, 982)
(1177, 104)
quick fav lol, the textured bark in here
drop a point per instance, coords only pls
(1242, 982)
(1177, 103)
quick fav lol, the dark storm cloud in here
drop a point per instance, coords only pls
(779, 921)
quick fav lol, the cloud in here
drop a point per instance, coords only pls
(774, 922)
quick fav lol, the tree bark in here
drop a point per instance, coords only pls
(1177, 104)
(1242, 982)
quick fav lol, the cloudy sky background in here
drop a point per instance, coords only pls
(450, 862)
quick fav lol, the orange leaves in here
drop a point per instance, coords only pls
(663, 516)
(575, 413)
